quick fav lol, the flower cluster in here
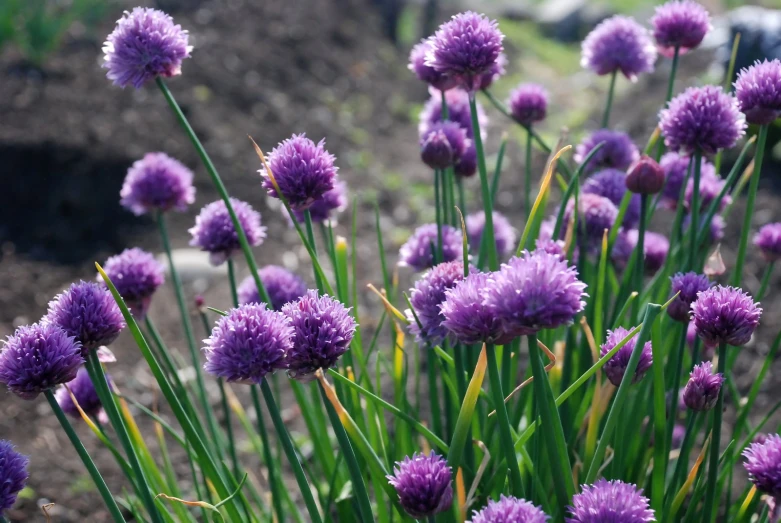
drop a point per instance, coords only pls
(136, 274)
(214, 232)
(424, 484)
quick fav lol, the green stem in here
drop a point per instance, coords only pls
(493, 263)
(527, 185)
(676, 383)
(273, 478)
(710, 492)
(683, 460)
(765, 280)
(609, 104)
(310, 234)
(462, 196)
(229, 430)
(673, 70)
(233, 286)
(695, 211)
(640, 252)
(438, 208)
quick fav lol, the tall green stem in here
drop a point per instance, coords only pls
(527, 180)
(640, 251)
(694, 224)
(488, 230)
(713, 463)
(273, 477)
(609, 104)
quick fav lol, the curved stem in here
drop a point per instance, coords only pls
(609, 104)
(488, 229)
(710, 492)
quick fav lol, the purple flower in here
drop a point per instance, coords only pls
(418, 251)
(465, 48)
(13, 474)
(494, 73)
(710, 188)
(768, 240)
(676, 168)
(214, 232)
(145, 44)
(157, 183)
(466, 166)
(281, 285)
(87, 311)
(424, 484)
(466, 315)
(617, 152)
(136, 274)
(323, 329)
(37, 358)
(597, 214)
(679, 433)
(763, 464)
(509, 509)
(702, 389)
(616, 366)
(725, 315)
(619, 44)
(555, 247)
(322, 210)
(457, 101)
(645, 176)
(702, 119)
(717, 226)
(426, 73)
(655, 249)
(84, 390)
(427, 296)
(303, 171)
(248, 343)
(533, 292)
(528, 103)
(443, 144)
(689, 285)
(610, 501)
(504, 234)
(758, 90)
(680, 24)
(611, 183)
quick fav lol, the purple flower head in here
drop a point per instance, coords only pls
(595, 214)
(763, 464)
(768, 239)
(13, 474)
(655, 249)
(323, 329)
(616, 366)
(87, 311)
(679, 24)
(466, 315)
(725, 315)
(702, 119)
(144, 44)
(281, 285)
(418, 251)
(758, 90)
(303, 170)
(610, 501)
(717, 226)
(611, 183)
(676, 167)
(645, 176)
(457, 101)
(443, 144)
(214, 232)
(619, 44)
(426, 298)
(555, 247)
(157, 182)
(37, 358)
(82, 387)
(426, 73)
(136, 274)
(679, 433)
(504, 234)
(466, 166)
(465, 48)
(689, 285)
(322, 211)
(529, 103)
(509, 509)
(248, 343)
(617, 152)
(533, 292)
(702, 389)
(424, 484)
(710, 188)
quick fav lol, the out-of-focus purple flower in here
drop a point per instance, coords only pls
(281, 285)
(534, 291)
(528, 103)
(466, 166)
(679, 433)
(443, 144)
(84, 390)
(466, 315)
(157, 183)
(37, 358)
(555, 247)
(504, 234)
(248, 343)
(418, 251)
(303, 170)
(424, 484)
(466, 47)
(610, 501)
(595, 214)
(710, 188)
(494, 73)
(616, 366)
(619, 44)
(763, 464)
(689, 285)
(144, 44)
(680, 24)
(13, 474)
(136, 274)
(702, 389)
(725, 315)
(617, 152)
(645, 176)
(655, 248)
(611, 183)
(323, 209)
(702, 119)
(509, 509)
(457, 101)
(426, 73)
(214, 232)
(676, 167)
(758, 90)
(768, 240)
(323, 329)
(87, 311)
(426, 298)
(717, 226)
(707, 349)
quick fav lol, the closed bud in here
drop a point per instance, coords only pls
(645, 176)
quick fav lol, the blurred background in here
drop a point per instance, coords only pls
(330, 68)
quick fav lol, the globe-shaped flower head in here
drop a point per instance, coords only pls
(466, 315)
(758, 90)
(157, 183)
(323, 329)
(418, 251)
(617, 152)
(84, 390)
(465, 48)
(443, 144)
(768, 240)
(87, 311)
(13, 474)
(725, 315)
(702, 119)
(214, 232)
(323, 210)
(457, 101)
(145, 44)
(687, 286)
(612, 184)
(424, 484)
(248, 343)
(303, 170)
(508, 509)
(619, 44)
(702, 389)
(615, 368)
(610, 501)
(595, 214)
(529, 103)
(763, 464)
(136, 274)
(37, 358)
(679, 24)
(426, 73)
(281, 285)
(504, 234)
